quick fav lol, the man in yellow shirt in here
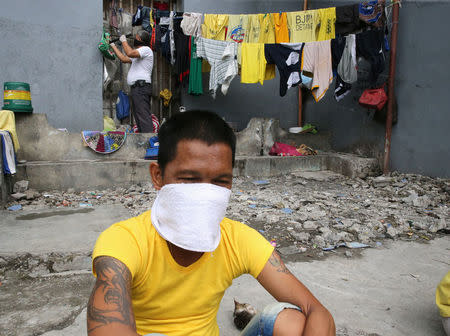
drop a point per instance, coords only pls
(166, 271)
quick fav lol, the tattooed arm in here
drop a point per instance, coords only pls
(285, 287)
(109, 311)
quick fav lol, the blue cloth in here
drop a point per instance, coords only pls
(263, 322)
(8, 154)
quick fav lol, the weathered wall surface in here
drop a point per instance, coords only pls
(53, 46)
(420, 140)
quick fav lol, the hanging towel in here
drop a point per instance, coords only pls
(317, 60)
(8, 123)
(8, 157)
(222, 56)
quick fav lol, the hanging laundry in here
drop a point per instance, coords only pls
(347, 19)
(342, 89)
(288, 63)
(281, 27)
(369, 45)
(9, 156)
(254, 67)
(195, 71)
(372, 12)
(237, 28)
(8, 123)
(137, 17)
(302, 25)
(113, 19)
(337, 49)
(254, 28)
(182, 55)
(147, 21)
(192, 24)
(215, 26)
(317, 60)
(172, 38)
(237, 31)
(267, 28)
(327, 18)
(222, 56)
(347, 68)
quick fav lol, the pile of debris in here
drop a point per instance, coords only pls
(302, 212)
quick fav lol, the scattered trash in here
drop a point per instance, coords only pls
(287, 211)
(239, 193)
(15, 207)
(273, 242)
(350, 245)
(348, 254)
(85, 205)
(261, 231)
(47, 195)
(355, 245)
(65, 203)
(378, 244)
(261, 182)
(252, 206)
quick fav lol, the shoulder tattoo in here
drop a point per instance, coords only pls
(110, 300)
(275, 261)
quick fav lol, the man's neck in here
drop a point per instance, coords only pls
(183, 257)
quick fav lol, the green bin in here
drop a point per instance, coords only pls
(17, 97)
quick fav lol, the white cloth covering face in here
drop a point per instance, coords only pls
(189, 214)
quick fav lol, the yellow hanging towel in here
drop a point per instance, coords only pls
(8, 123)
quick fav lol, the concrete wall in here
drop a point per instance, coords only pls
(52, 45)
(420, 140)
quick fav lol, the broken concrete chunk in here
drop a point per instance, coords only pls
(18, 196)
(20, 186)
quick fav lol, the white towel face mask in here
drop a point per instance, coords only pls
(189, 214)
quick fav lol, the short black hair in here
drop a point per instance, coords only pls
(200, 125)
(145, 36)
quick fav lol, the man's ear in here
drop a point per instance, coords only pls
(156, 175)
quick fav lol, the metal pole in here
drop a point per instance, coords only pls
(391, 84)
(300, 99)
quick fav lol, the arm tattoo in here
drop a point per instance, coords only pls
(276, 262)
(110, 300)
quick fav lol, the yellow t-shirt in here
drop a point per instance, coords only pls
(443, 296)
(214, 26)
(302, 25)
(327, 18)
(281, 27)
(237, 30)
(254, 29)
(171, 299)
(267, 28)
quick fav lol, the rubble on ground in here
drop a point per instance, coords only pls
(303, 211)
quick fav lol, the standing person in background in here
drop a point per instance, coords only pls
(139, 76)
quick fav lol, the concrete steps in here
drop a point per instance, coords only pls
(99, 174)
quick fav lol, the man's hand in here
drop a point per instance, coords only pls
(285, 287)
(112, 44)
(122, 38)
